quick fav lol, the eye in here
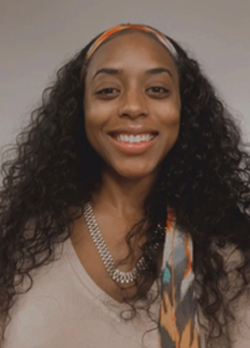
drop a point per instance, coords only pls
(107, 93)
(158, 91)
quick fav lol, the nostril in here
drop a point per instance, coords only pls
(132, 110)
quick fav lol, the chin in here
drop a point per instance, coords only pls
(133, 174)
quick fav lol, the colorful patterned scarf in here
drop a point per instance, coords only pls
(178, 321)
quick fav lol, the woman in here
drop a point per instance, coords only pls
(131, 135)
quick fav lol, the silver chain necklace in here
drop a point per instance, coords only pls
(108, 261)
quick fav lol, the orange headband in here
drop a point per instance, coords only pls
(162, 38)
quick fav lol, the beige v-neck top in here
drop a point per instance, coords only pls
(66, 309)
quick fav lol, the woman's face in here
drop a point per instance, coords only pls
(132, 104)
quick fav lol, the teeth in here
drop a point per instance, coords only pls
(134, 138)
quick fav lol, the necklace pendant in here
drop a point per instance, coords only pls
(125, 277)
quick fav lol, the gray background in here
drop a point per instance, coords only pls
(37, 37)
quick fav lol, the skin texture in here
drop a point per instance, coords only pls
(131, 98)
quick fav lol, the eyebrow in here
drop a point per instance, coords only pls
(113, 71)
(109, 71)
(156, 71)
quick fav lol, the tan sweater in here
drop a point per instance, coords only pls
(66, 309)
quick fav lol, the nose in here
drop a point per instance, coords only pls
(133, 104)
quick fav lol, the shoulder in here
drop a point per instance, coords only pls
(33, 319)
(239, 328)
(236, 297)
(38, 315)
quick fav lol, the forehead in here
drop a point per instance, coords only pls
(133, 50)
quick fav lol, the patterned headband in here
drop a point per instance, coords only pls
(108, 33)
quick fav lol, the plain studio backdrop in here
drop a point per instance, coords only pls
(38, 37)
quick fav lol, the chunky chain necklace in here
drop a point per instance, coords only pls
(108, 261)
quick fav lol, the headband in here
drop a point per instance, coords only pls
(108, 33)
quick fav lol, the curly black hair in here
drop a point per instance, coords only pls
(204, 178)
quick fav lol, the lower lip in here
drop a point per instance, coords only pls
(133, 148)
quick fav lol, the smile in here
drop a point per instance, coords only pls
(133, 144)
(134, 139)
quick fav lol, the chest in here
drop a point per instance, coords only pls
(114, 237)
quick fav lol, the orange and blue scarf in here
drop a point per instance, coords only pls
(178, 315)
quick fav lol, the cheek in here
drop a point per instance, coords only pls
(93, 118)
(92, 129)
(91, 124)
(170, 125)
(169, 116)
(168, 111)
(98, 113)
(97, 119)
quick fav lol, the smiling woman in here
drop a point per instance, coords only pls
(132, 89)
(124, 216)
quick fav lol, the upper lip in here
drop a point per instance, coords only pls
(133, 131)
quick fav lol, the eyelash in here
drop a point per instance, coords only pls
(104, 89)
(105, 92)
(165, 90)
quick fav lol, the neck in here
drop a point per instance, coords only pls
(122, 197)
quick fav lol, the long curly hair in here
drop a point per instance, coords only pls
(204, 178)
